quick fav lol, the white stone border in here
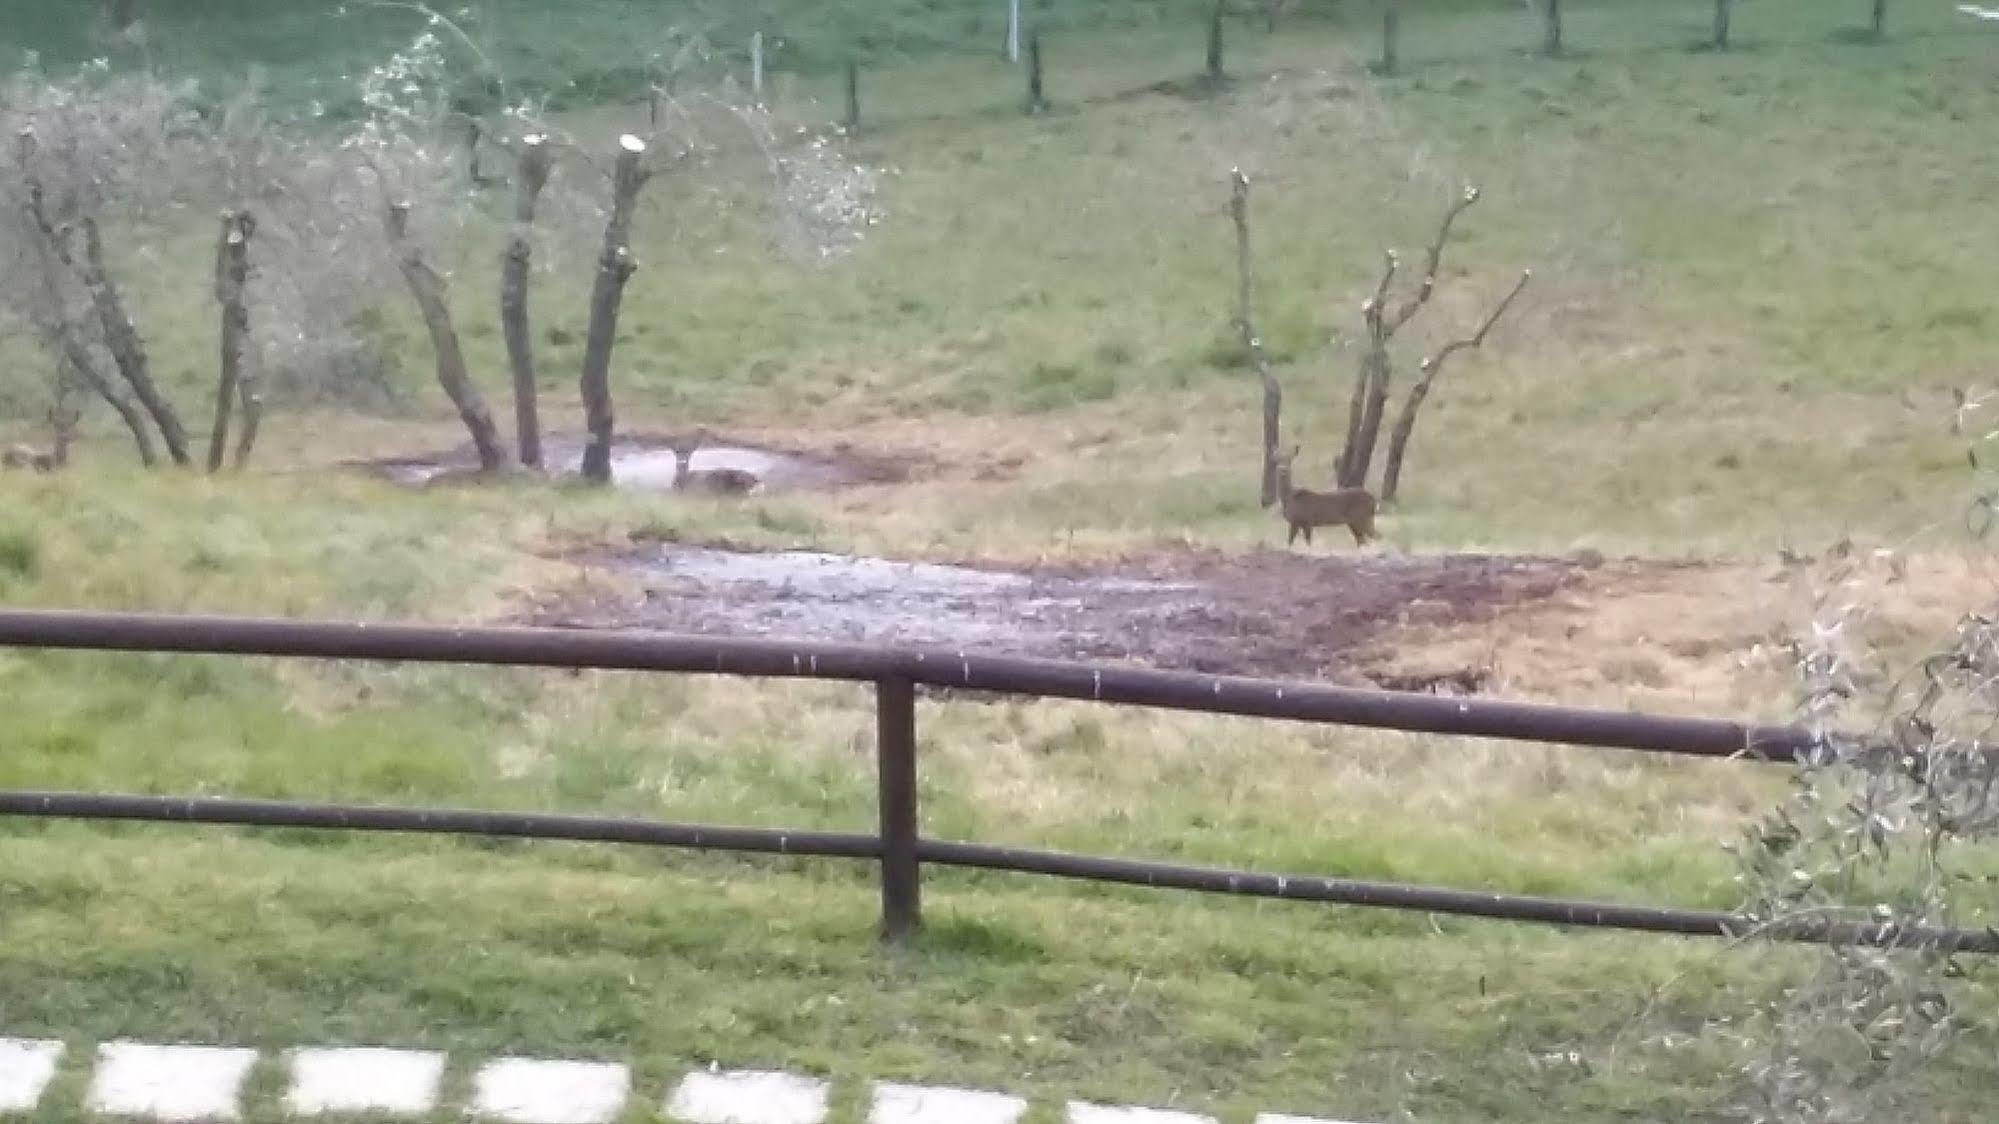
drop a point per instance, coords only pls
(936, 1104)
(169, 1083)
(539, 1091)
(27, 1065)
(748, 1096)
(357, 1079)
(181, 1084)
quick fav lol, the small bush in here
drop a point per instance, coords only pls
(20, 553)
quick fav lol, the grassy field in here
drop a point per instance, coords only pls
(1758, 275)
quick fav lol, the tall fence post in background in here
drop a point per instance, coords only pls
(853, 121)
(1553, 12)
(895, 750)
(1880, 19)
(757, 67)
(1721, 20)
(1215, 69)
(1036, 103)
(1391, 30)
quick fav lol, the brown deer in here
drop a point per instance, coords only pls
(1304, 510)
(719, 481)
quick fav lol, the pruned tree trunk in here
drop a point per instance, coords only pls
(1391, 34)
(1215, 46)
(1036, 103)
(1360, 458)
(80, 362)
(615, 266)
(1722, 9)
(128, 350)
(853, 120)
(64, 416)
(1370, 386)
(250, 395)
(474, 133)
(1405, 423)
(531, 175)
(232, 272)
(1880, 21)
(1377, 367)
(1273, 391)
(1553, 13)
(427, 289)
(1356, 406)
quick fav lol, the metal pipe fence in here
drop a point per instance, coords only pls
(899, 849)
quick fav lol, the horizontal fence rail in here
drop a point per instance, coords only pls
(631, 650)
(896, 673)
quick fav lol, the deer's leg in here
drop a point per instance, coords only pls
(1308, 534)
(1291, 539)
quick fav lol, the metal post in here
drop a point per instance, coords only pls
(1391, 31)
(895, 746)
(757, 67)
(853, 120)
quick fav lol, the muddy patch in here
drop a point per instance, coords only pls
(648, 464)
(1267, 613)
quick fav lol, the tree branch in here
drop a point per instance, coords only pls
(1434, 261)
(1405, 423)
(1477, 338)
(1371, 311)
(1273, 391)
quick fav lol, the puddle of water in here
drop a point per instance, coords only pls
(641, 469)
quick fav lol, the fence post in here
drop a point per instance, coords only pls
(895, 749)
(1035, 102)
(1215, 72)
(853, 121)
(1391, 33)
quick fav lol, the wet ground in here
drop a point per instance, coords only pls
(1265, 613)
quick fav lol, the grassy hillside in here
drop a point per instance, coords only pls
(1758, 275)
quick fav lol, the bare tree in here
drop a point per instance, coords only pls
(1273, 393)
(43, 296)
(66, 187)
(427, 288)
(232, 273)
(615, 266)
(530, 177)
(1373, 379)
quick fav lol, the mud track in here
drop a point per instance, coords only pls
(1267, 613)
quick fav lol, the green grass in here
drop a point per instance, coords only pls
(1744, 264)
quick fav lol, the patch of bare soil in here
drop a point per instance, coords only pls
(646, 462)
(1267, 613)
